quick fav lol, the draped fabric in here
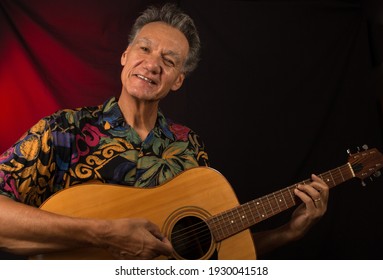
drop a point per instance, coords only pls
(283, 89)
(60, 54)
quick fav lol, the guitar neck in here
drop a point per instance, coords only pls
(237, 219)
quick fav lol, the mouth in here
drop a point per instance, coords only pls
(146, 79)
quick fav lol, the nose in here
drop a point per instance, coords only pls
(152, 64)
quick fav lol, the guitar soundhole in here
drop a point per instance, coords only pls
(191, 238)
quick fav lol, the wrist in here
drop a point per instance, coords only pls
(99, 230)
(289, 233)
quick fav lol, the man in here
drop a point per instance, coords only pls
(127, 141)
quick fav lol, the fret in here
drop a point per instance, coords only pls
(284, 199)
(241, 217)
(332, 178)
(341, 174)
(258, 208)
(259, 202)
(230, 221)
(326, 179)
(270, 206)
(322, 177)
(234, 221)
(292, 198)
(277, 201)
(215, 228)
(251, 213)
(224, 224)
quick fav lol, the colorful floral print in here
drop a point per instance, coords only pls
(94, 143)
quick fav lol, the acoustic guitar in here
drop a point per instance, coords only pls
(197, 210)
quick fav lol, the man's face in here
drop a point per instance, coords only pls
(153, 63)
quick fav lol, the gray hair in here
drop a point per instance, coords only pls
(173, 16)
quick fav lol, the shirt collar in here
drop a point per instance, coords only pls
(112, 115)
(113, 118)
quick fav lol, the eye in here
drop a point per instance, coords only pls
(168, 62)
(144, 49)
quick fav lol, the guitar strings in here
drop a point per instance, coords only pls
(332, 178)
(223, 222)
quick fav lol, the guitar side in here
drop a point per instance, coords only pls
(200, 191)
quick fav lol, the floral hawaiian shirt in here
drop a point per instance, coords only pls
(95, 143)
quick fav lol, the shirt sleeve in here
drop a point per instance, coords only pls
(199, 149)
(26, 168)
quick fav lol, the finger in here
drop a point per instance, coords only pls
(155, 231)
(152, 229)
(301, 192)
(165, 247)
(310, 196)
(162, 244)
(319, 182)
(310, 192)
(321, 187)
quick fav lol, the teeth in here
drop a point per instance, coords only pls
(145, 79)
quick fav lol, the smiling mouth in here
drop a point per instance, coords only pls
(145, 79)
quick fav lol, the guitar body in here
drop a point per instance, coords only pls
(195, 194)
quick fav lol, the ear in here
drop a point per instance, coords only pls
(179, 81)
(124, 56)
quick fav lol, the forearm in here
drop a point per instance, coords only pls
(303, 218)
(26, 230)
(268, 241)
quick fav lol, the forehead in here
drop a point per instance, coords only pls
(164, 36)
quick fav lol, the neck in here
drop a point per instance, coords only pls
(141, 116)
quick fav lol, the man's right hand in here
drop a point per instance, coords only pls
(134, 238)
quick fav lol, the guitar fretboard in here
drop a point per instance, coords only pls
(232, 221)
